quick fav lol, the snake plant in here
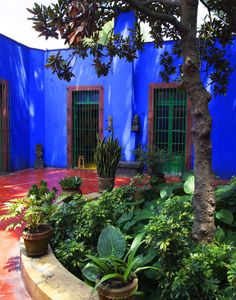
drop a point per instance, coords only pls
(107, 157)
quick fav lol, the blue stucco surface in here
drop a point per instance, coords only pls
(14, 67)
(38, 103)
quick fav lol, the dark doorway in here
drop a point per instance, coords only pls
(4, 127)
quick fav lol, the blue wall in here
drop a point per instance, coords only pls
(36, 109)
(38, 103)
(23, 68)
(14, 67)
(118, 97)
(223, 111)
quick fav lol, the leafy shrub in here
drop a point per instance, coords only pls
(187, 271)
(226, 211)
(32, 211)
(155, 159)
(81, 222)
(170, 231)
(203, 274)
(41, 193)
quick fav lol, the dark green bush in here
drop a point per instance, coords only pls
(186, 270)
(81, 222)
(226, 211)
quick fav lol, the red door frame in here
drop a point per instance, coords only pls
(153, 86)
(71, 89)
(5, 125)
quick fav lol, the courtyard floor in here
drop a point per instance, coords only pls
(15, 185)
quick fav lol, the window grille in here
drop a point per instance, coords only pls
(85, 125)
(170, 119)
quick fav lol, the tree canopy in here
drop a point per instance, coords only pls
(80, 24)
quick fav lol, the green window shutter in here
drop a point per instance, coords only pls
(170, 126)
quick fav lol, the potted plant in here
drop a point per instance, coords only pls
(141, 184)
(32, 212)
(107, 157)
(114, 271)
(71, 184)
(155, 160)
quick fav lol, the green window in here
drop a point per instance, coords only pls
(170, 126)
(85, 125)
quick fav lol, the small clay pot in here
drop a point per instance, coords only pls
(123, 293)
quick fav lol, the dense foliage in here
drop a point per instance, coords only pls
(184, 269)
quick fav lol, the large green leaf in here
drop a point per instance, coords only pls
(166, 192)
(143, 214)
(225, 216)
(125, 217)
(220, 234)
(111, 242)
(189, 185)
(91, 272)
(231, 235)
(134, 247)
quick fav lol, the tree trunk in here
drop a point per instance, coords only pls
(203, 200)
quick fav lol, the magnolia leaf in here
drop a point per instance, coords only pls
(111, 242)
(219, 234)
(225, 216)
(231, 236)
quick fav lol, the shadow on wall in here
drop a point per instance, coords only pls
(14, 63)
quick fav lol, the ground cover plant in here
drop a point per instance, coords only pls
(184, 268)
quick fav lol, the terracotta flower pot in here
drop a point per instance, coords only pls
(123, 293)
(36, 244)
(72, 191)
(105, 184)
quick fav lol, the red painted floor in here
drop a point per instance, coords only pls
(15, 185)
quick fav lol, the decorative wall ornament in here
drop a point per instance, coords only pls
(39, 163)
(110, 124)
(136, 124)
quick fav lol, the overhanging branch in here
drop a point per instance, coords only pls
(158, 16)
(165, 2)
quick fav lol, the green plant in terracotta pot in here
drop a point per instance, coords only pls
(114, 271)
(71, 184)
(32, 212)
(107, 157)
(155, 160)
(141, 185)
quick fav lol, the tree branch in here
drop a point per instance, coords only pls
(165, 2)
(207, 7)
(158, 16)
